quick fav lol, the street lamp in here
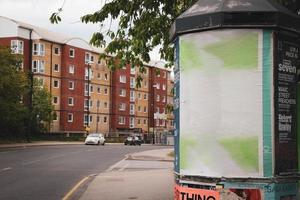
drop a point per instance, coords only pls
(153, 109)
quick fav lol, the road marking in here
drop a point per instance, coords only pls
(6, 169)
(70, 193)
(124, 167)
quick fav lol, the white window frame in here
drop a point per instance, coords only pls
(132, 70)
(164, 86)
(157, 98)
(38, 66)
(71, 69)
(58, 68)
(38, 49)
(71, 85)
(72, 50)
(72, 117)
(54, 48)
(132, 82)
(122, 106)
(121, 120)
(55, 97)
(122, 79)
(122, 93)
(132, 109)
(57, 83)
(131, 122)
(132, 96)
(70, 101)
(17, 46)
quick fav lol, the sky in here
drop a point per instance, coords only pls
(37, 12)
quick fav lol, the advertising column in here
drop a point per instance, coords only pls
(285, 93)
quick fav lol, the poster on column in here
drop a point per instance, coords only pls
(221, 113)
(285, 94)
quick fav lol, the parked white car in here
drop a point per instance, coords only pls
(95, 138)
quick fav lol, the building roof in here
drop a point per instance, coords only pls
(209, 14)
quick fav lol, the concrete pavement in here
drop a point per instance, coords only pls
(145, 175)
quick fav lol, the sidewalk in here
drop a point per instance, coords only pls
(146, 175)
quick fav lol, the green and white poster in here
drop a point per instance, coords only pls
(221, 103)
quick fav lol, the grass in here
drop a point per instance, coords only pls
(243, 150)
(238, 53)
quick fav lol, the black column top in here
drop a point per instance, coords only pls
(213, 14)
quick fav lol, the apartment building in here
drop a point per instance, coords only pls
(85, 92)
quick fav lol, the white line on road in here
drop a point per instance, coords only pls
(6, 169)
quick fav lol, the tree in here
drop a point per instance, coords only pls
(13, 86)
(143, 25)
(18, 118)
(42, 113)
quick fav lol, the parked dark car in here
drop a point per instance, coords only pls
(133, 140)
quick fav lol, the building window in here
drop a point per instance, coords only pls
(139, 96)
(99, 90)
(145, 84)
(145, 96)
(56, 67)
(86, 89)
(132, 95)
(56, 83)
(71, 69)
(105, 119)
(164, 74)
(122, 79)
(121, 120)
(72, 53)
(164, 99)
(164, 87)
(122, 106)
(139, 108)
(38, 66)
(87, 58)
(105, 76)
(55, 100)
(131, 124)
(70, 117)
(157, 86)
(105, 105)
(17, 46)
(132, 70)
(38, 49)
(105, 91)
(86, 119)
(91, 89)
(122, 93)
(132, 82)
(145, 109)
(86, 104)
(70, 101)
(71, 85)
(56, 51)
(132, 109)
(98, 104)
(157, 98)
(55, 116)
(145, 122)
(98, 75)
(139, 122)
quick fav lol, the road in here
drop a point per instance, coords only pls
(50, 172)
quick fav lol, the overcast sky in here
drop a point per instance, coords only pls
(37, 12)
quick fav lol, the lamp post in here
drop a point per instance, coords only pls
(153, 109)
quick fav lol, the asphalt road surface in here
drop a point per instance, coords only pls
(50, 172)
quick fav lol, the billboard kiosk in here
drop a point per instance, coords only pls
(236, 90)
